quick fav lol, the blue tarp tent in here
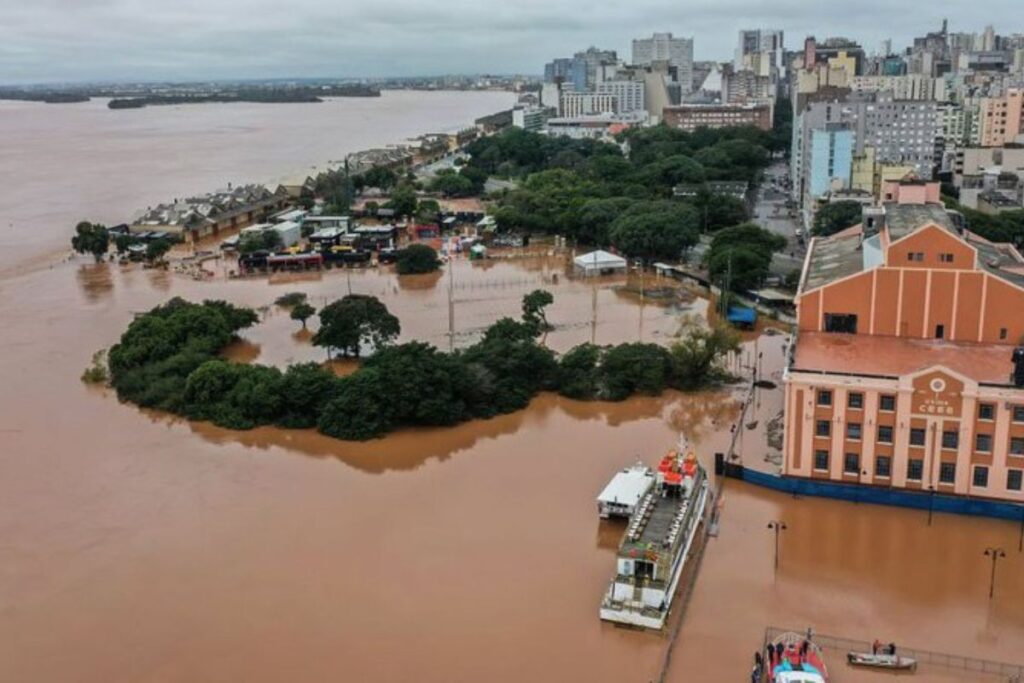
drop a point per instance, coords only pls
(741, 316)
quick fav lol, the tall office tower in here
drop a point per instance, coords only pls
(759, 42)
(662, 47)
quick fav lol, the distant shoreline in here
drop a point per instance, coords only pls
(135, 99)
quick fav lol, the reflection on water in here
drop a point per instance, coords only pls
(95, 280)
(423, 281)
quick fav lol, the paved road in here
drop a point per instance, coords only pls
(771, 214)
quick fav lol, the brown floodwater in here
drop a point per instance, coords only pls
(140, 547)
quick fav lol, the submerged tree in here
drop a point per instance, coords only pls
(302, 312)
(416, 259)
(91, 238)
(534, 304)
(349, 322)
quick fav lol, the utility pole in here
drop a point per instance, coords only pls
(995, 554)
(593, 315)
(777, 527)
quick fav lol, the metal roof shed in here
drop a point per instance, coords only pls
(599, 262)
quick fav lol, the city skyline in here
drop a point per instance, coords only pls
(119, 40)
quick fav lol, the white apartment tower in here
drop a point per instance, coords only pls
(662, 47)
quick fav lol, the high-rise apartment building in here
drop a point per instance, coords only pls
(755, 43)
(662, 47)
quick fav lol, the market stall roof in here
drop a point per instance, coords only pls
(600, 260)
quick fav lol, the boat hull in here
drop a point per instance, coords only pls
(892, 662)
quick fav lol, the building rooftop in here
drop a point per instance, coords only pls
(897, 356)
(834, 257)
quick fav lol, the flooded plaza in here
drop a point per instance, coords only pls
(142, 547)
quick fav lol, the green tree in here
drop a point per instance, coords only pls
(835, 217)
(428, 211)
(424, 386)
(656, 230)
(748, 234)
(629, 369)
(124, 240)
(744, 267)
(534, 304)
(403, 200)
(354, 320)
(360, 409)
(304, 390)
(577, 372)
(379, 176)
(698, 353)
(157, 249)
(452, 184)
(415, 259)
(302, 312)
(91, 238)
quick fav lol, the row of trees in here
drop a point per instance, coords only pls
(590, 191)
(169, 359)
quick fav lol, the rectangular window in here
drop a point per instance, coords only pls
(986, 411)
(823, 428)
(841, 322)
(821, 460)
(983, 443)
(884, 434)
(947, 473)
(1013, 479)
(940, 331)
(1016, 445)
(824, 397)
(887, 402)
(946, 258)
(980, 477)
(855, 401)
(951, 440)
(915, 256)
(917, 437)
(915, 468)
(883, 466)
(1018, 413)
(853, 431)
(851, 463)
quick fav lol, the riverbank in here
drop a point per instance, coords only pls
(65, 163)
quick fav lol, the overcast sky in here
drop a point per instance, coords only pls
(74, 40)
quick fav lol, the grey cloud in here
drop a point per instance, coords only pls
(55, 40)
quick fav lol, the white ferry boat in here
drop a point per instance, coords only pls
(626, 489)
(657, 543)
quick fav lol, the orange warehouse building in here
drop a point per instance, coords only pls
(904, 370)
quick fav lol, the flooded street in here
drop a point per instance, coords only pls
(140, 547)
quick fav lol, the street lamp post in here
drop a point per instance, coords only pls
(995, 554)
(931, 502)
(777, 527)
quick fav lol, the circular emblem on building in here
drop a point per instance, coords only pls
(938, 385)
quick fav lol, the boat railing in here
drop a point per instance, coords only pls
(937, 659)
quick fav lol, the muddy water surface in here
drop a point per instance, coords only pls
(138, 547)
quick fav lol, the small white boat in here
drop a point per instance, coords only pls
(881, 661)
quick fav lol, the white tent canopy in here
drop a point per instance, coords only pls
(600, 261)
